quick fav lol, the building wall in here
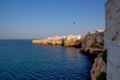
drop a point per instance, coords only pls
(112, 39)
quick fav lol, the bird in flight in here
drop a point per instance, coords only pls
(74, 22)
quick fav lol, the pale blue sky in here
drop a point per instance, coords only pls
(34, 19)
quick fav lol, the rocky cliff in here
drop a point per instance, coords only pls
(84, 41)
(68, 41)
(98, 71)
(91, 44)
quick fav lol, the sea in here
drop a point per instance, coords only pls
(21, 60)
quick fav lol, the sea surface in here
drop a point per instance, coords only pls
(21, 60)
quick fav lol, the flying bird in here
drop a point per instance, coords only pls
(74, 22)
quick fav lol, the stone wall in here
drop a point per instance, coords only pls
(112, 39)
(113, 61)
(112, 19)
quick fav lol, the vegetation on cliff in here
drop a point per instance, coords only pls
(104, 56)
(101, 76)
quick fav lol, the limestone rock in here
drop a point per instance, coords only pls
(98, 67)
(72, 43)
(68, 41)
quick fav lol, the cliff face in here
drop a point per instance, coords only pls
(41, 42)
(84, 41)
(47, 42)
(72, 43)
(50, 41)
(93, 45)
(68, 41)
(93, 42)
(98, 71)
(94, 36)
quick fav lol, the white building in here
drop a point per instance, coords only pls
(112, 39)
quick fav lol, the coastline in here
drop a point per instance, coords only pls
(91, 44)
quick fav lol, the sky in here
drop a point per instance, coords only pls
(36, 19)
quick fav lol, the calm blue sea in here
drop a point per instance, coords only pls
(21, 60)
